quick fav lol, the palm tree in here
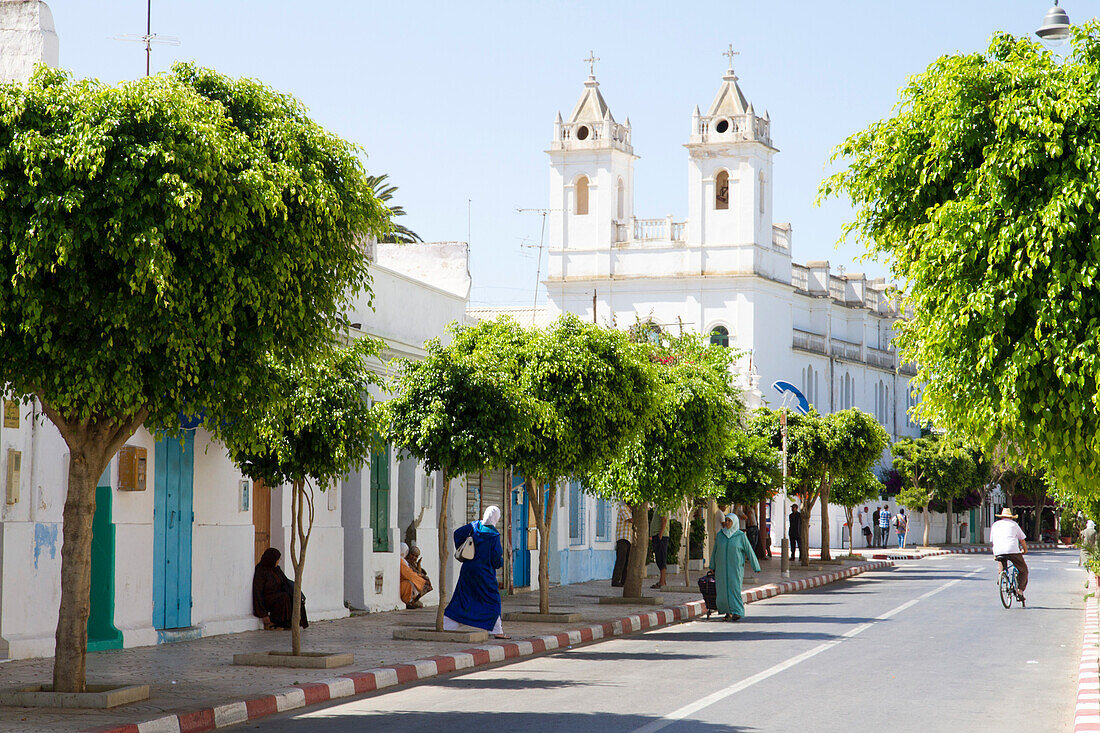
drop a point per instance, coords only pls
(385, 191)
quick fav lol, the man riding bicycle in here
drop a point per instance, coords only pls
(1010, 545)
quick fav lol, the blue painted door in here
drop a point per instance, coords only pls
(521, 557)
(172, 519)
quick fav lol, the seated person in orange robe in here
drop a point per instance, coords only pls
(414, 581)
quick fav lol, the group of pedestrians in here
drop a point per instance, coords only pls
(876, 526)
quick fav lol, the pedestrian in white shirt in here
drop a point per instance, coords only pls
(1010, 545)
(865, 525)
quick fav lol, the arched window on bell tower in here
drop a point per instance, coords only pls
(722, 190)
(620, 203)
(580, 194)
(720, 336)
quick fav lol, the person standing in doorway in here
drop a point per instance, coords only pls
(865, 525)
(884, 524)
(624, 536)
(794, 523)
(658, 535)
(878, 531)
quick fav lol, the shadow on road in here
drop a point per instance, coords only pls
(642, 656)
(434, 722)
(740, 632)
(504, 683)
(809, 620)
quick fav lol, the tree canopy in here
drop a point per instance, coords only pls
(980, 192)
(161, 238)
(749, 471)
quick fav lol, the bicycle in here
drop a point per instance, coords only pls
(1009, 589)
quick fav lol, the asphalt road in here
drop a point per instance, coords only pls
(922, 647)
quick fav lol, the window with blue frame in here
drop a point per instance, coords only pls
(576, 513)
(603, 520)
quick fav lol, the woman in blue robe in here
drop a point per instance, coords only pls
(476, 600)
(731, 549)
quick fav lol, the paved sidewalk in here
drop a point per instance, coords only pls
(195, 677)
(1086, 718)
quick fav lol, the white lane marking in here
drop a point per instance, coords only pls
(733, 689)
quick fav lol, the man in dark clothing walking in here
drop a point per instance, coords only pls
(877, 527)
(794, 523)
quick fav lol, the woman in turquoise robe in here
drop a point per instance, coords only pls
(731, 550)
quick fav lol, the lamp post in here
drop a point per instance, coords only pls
(784, 543)
(1055, 25)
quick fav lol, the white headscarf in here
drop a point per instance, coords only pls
(491, 516)
(404, 549)
(728, 531)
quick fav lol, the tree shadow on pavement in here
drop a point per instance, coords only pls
(514, 683)
(809, 620)
(643, 656)
(513, 722)
(738, 632)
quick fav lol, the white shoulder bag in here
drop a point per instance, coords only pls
(465, 551)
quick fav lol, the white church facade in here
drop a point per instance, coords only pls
(726, 271)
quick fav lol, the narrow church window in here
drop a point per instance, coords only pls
(722, 190)
(620, 209)
(762, 183)
(720, 336)
(581, 193)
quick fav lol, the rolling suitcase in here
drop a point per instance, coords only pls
(709, 589)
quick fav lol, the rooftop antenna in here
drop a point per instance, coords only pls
(148, 38)
(538, 269)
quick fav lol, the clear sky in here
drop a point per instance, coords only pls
(456, 100)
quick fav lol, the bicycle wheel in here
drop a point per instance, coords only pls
(1007, 591)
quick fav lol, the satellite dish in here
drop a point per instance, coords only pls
(789, 391)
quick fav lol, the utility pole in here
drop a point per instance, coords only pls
(593, 306)
(149, 38)
(538, 269)
(784, 543)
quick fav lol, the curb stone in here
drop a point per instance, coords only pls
(1086, 717)
(959, 551)
(371, 680)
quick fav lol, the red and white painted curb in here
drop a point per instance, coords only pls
(1087, 715)
(371, 680)
(970, 550)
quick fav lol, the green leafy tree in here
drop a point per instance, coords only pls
(1035, 486)
(980, 192)
(597, 392)
(914, 460)
(956, 474)
(680, 453)
(809, 442)
(749, 471)
(851, 489)
(313, 427)
(855, 443)
(462, 408)
(160, 238)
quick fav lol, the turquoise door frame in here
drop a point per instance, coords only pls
(521, 557)
(173, 516)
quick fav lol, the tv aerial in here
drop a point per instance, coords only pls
(148, 38)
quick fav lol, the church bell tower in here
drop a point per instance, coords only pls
(730, 170)
(591, 177)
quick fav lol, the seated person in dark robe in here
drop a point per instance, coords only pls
(273, 593)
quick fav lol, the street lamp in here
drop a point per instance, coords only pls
(1055, 25)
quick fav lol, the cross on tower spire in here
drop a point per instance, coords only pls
(591, 61)
(730, 54)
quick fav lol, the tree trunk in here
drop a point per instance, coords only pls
(91, 445)
(685, 549)
(444, 556)
(1039, 519)
(70, 652)
(635, 564)
(301, 527)
(950, 521)
(825, 554)
(851, 536)
(710, 526)
(927, 524)
(544, 519)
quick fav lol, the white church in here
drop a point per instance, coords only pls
(726, 271)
